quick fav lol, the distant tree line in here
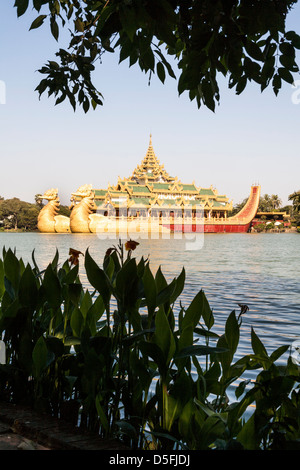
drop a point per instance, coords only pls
(20, 215)
(295, 198)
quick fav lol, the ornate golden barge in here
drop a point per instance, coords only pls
(150, 200)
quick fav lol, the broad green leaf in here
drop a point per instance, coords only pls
(93, 313)
(12, 269)
(38, 22)
(294, 38)
(149, 290)
(185, 423)
(161, 72)
(288, 63)
(254, 50)
(248, 435)
(193, 312)
(160, 280)
(240, 389)
(125, 280)
(97, 278)
(163, 336)
(9, 290)
(106, 12)
(200, 351)
(225, 357)
(213, 428)
(28, 290)
(79, 25)
(285, 75)
(279, 352)
(165, 295)
(172, 410)
(54, 262)
(39, 356)
(74, 293)
(109, 266)
(206, 333)
(210, 412)
(276, 83)
(55, 345)
(77, 322)
(153, 351)
(287, 49)
(198, 307)
(211, 378)
(232, 332)
(186, 337)
(257, 345)
(207, 313)
(101, 413)
(54, 28)
(180, 280)
(10, 307)
(185, 419)
(86, 304)
(52, 287)
(97, 309)
(22, 6)
(128, 20)
(140, 370)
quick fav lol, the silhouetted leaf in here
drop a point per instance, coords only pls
(38, 22)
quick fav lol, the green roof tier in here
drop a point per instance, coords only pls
(161, 186)
(206, 192)
(140, 189)
(100, 192)
(189, 187)
(141, 201)
(170, 202)
(218, 204)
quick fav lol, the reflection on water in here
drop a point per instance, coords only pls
(260, 270)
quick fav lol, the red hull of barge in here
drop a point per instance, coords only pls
(240, 223)
(209, 228)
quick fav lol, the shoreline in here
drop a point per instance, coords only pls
(251, 232)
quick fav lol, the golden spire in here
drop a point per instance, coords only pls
(150, 167)
(150, 143)
(150, 158)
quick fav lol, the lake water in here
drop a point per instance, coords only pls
(260, 270)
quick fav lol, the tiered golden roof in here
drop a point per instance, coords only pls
(150, 186)
(150, 170)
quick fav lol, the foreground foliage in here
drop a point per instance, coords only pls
(126, 359)
(240, 40)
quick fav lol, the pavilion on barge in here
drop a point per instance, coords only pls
(151, 191)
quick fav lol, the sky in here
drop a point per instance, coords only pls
(250, 139)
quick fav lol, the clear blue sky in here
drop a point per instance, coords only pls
(251, 138)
